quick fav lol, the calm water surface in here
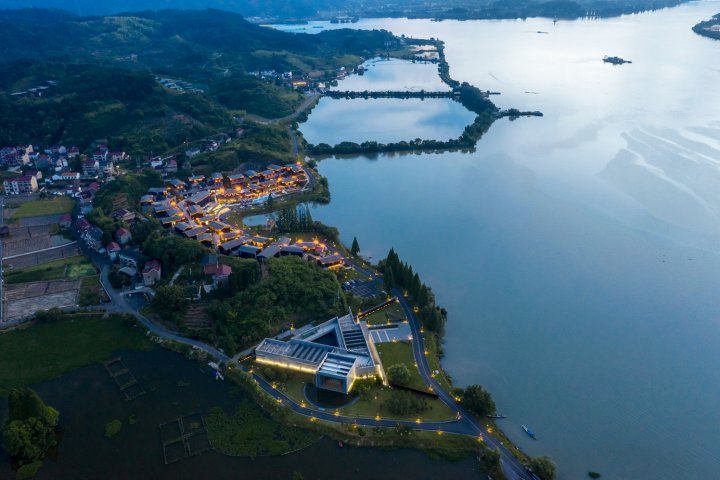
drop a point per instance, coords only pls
(578, 254)
(385, 120)
(394, 74)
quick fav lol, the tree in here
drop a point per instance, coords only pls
(389, 280)
(170, 302)
(355, 249)
(478, 400)
(364, 388)
(30, 428)
(543, 467)
(399, 374)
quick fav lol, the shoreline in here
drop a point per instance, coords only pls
(472, 98)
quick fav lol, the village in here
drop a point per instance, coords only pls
(197, 208)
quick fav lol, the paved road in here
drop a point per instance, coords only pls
(121, 305)
(512, 468)
(307, 103)
(295, 147)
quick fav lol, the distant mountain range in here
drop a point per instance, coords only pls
(277, 10)
(250, 8)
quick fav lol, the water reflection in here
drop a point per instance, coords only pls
(385, 120)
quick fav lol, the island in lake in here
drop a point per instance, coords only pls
(709, 28)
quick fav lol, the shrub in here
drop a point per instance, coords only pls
(112, 428)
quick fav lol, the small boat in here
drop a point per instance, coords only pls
(218, 376)
(496, 415)
(530, 433)
(341, 444)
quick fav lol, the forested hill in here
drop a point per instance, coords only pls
(96, 75)
(200, 41)
(277, 10)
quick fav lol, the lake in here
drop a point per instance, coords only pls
(578, 254)
(389, 119)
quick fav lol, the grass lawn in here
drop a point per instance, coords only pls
(46, 351)
(375, 406)
(401, 352)
(73, 267)
(381, 316)
(55, 205)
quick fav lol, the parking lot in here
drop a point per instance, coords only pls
(398, 332)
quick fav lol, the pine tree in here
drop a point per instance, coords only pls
(423, 297)
(389, 280)
(415, 286)
(355, 249)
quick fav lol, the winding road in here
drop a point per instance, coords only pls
(466, 424)
(512, 468)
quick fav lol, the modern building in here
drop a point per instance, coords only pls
(337, 352)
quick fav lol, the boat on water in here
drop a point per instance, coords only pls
(496, 415)
(615, 60)
(530, 433)
(341, 444)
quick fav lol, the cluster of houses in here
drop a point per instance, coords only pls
(29, 164)
(195, 209)
(120, 249)
(240, 189)
(313, 81)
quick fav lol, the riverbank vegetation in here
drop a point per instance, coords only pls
(398, 274)
(47, 350)
(248, 432)
(469, 96)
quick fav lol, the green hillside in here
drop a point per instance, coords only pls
(103, 72)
